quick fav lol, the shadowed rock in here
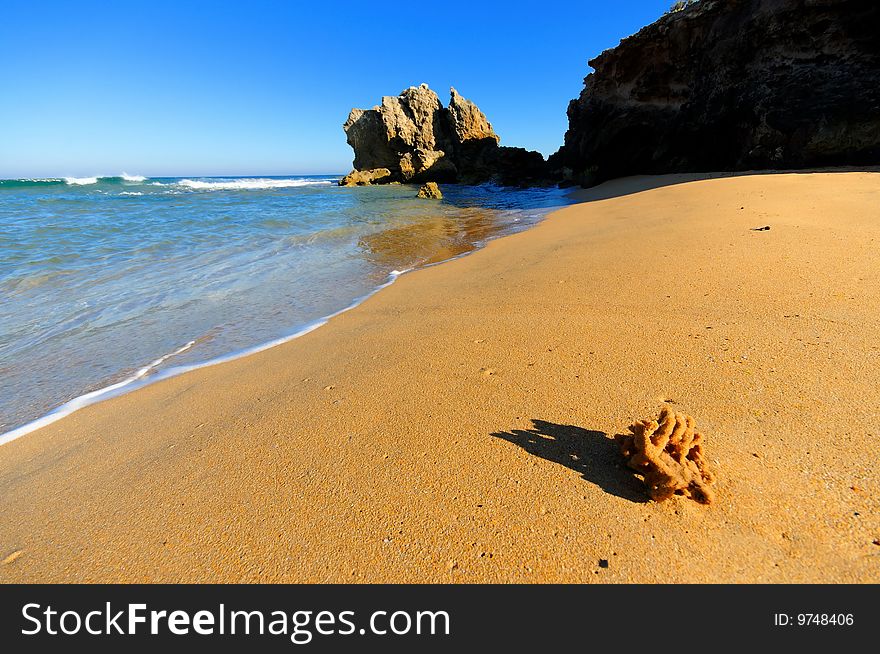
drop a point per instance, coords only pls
(732, 85)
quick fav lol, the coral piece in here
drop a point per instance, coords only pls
(669, 454)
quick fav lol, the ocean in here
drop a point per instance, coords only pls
(108, 283)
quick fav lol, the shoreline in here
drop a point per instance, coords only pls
(140, 380)
(141, 376)
(428, 434)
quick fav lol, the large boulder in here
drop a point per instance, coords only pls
(418, 140)
(366, 177)
(430, 191)
(732, 85)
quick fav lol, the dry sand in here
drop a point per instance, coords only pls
(456, 427)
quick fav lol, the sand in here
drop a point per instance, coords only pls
(457, 426)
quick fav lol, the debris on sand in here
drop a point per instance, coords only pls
(669, 454)
(12, 557)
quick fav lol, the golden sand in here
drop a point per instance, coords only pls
(458, 426)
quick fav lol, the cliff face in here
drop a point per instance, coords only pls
(732, 85)
(413, 138)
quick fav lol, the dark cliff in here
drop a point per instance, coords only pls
(732, 85)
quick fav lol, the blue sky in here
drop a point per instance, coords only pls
(249, 88)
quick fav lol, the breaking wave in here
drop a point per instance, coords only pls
(197, 184)
(246, 183)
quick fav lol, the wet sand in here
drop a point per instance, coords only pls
(456, 427)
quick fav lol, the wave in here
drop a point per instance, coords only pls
(247, 183)
(199, 184)
(90, 398)
(27, 182)
(112, 179)
(124, 178)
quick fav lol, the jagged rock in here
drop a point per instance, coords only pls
(418, 140)
(366, 177)
(732, 85)
(405, 134)
(430, 191)
(362, 130)
(467, 122)
(420, 164)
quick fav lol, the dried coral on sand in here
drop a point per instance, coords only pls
(669, 453)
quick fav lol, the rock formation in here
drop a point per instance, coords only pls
(366, 177)
(430, 191)
(417, 140)
(732, 85)
(669, 453)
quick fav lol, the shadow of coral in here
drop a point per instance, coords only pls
(588, 452)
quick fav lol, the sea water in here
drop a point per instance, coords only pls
(109, 282)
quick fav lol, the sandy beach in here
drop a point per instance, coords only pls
(457, 426)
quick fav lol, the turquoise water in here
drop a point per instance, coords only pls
(110, 280)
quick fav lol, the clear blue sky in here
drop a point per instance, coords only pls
(255, 87)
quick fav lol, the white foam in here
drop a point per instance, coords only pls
(89, 398)
(141, 378)
(131, 193)
(249, 184)
(81, 181)
(133, 178)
